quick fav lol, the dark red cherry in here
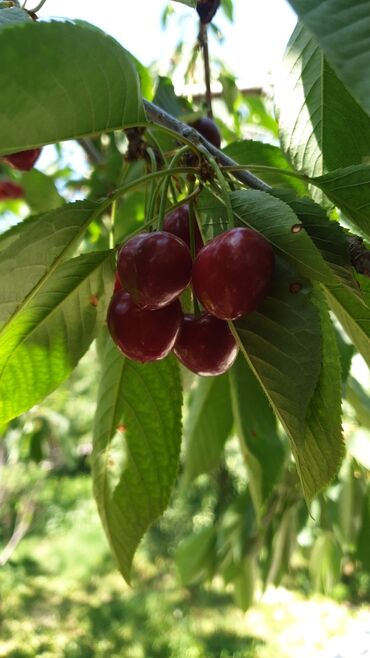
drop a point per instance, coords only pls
(207, 9)
(23, 160)
(177, 222)
(140, 334)
(10, 190)
(205, 345)
(117, 283)
(207, 127)
(233, 272)
(154, 268)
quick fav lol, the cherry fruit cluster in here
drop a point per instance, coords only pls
(230, 277)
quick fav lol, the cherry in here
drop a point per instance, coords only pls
(207, 127)
(10, 190)
(177, 222)
(23, 160)
(140, 334)
(205, 345)
(154, 268)
(117, 283)
(207, 9)
(233, 272)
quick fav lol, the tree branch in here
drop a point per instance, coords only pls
(161, 117)
(359, 255)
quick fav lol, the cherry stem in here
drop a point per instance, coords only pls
(149, 211)
(167, 178)
(267, 169)
(160, 150)
(113, 215)
(154, 219)
(223, 185)
(120, 191)
(203, 40)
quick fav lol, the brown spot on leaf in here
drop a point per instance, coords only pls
(94, 300)
(295, 287)
(121, 428)
(297, 228)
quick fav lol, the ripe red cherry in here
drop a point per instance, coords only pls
(205, 345)
(154, 268)
(207, 127)
(233, 272)
(207, 9)
(23, 160)
(177, 222)
(117, 283)
(10, 190)
(140, 334)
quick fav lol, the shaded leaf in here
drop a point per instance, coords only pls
(251, 152)
(349, 190)
(208, 425)
(195, 556)
(277, 221)
(354, 316)
(40, 192)
(258, 432)
(320, 453)
(282, 344)
(137, 435)
(325, 563)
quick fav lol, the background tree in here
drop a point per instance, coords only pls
(283, 394)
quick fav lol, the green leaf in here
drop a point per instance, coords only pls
(282, 344)
(359, 399)
(250, 152)
(315, 110)
(195, 556)
(283, 544)
(11, 15)
(277, 222)
(137, 435)
(320, 452)
(349, 190)
(354, 316)
(40, 192)
(330, 238)
(363, 540)
(325, 563)
(342, 30)
(244, 583)
(166, 98)
(258, 433)
(82, 83)
(35, 248)
(46, 338)
(208, 425)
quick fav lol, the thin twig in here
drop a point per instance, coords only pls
(93, 154)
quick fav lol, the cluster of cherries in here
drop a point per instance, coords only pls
(23, 161)
(230, 277)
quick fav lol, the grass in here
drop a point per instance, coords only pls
(61, 597)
